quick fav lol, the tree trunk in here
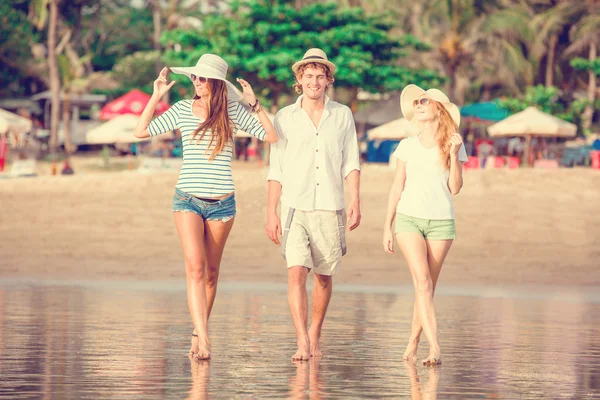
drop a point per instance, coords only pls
(588, 113)
(54, 76)
(156, 20)
(66, 108)
(353, 99)
(550, 60)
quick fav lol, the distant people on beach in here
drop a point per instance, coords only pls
(428, 174)
(204, 205)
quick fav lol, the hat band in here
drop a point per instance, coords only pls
(310, 57)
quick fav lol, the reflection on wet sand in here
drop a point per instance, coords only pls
(423, 390)
(83, 342)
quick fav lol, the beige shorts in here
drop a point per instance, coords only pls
(313, 239)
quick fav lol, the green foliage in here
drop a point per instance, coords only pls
(261, 40)
(582, 64)
(17, 35)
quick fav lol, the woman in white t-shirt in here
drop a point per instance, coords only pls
(428, 173)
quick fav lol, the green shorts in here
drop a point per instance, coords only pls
(431, 229)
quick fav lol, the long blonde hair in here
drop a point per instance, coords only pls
(218, 122)
(447, 128)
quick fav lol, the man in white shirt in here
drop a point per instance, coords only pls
(316, 151)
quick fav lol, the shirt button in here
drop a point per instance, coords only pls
(317, 184)
(317, 150)
(317, 167)
(317, 133)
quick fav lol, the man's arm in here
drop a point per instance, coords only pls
(275, 178)
(351, 172)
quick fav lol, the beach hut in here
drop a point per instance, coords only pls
(531, 123)
(14, 123)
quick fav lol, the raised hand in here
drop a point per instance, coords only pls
(161, 87)
(455, 143)
(247, 91)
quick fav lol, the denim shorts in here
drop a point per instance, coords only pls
(430, 229)
(218, 210)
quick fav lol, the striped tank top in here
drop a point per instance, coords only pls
(199, 176)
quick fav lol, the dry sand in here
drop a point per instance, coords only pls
(515, 227)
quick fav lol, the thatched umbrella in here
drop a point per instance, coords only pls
(394, 130)
(530, 123)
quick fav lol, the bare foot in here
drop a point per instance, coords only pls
(303, 353)
(200, 350)
(315, 348)
(434, 358)
(411, 350)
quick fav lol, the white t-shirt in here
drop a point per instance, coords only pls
(426, 194)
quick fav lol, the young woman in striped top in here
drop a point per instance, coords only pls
(204, 202)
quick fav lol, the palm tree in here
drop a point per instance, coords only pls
(54, 75)
(585, 35)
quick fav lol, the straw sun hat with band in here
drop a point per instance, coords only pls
(314, 56)
(412, 93)
(213, 67)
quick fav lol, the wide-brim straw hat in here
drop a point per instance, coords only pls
(314, 56)
(413, 92)
(213, 67)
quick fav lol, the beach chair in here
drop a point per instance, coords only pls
(545, 164)
(513, 162)
(472, 163)
(499, 162)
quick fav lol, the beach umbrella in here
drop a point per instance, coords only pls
(485, 111)
(394, 130)
(117, 130)
(530, 123)
(14, 123)
(133, 102)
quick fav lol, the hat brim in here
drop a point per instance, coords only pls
(233, 93)
(413, 92)
(300, 63)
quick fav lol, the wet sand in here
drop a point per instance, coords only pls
(514, 228)
(113, 341)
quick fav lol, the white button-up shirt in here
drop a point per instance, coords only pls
(311, 162)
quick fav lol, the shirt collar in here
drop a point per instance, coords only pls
(298, 103)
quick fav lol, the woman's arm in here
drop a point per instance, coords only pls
(270, 135)
(455, 180)
(160, 89)
(393, 199)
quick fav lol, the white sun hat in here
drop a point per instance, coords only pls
(214, 67)
(413, 92)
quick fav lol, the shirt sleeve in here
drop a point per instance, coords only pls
(277, 153)
(350, 153)
(401, 152)
(246, 122)
(462, 153)
(166, 122)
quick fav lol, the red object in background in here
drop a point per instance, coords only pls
(499, 162)
(473, 162)
(595, 156)
(133, 102)
(3, 151)
(513, 162)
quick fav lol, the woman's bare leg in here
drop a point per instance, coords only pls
(436, 254)
(190, 228)
(414, 248)
(216, 234)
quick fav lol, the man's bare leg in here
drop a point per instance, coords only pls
(298, 300)
(321, 296)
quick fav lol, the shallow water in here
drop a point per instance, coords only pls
(121, 340)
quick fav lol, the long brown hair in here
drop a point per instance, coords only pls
(447, 128)
(218, 122)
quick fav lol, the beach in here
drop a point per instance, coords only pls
(515, 227)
